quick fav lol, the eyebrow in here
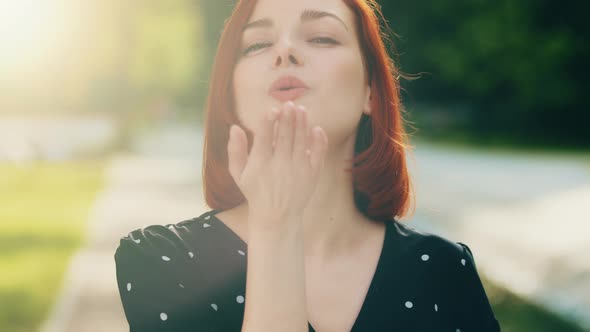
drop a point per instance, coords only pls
(306, 16)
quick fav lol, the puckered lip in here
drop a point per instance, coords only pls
(287, 82)
(287, 88)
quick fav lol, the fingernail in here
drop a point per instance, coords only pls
(301, 108)
(274, 113)
(270, 116)
(317, 132)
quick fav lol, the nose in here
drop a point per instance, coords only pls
(287, 55)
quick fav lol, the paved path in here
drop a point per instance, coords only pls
(525, 217)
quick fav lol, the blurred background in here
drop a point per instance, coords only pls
(101, 111)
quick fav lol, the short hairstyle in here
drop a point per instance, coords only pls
(382, 184)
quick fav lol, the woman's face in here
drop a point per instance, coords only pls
(320, 50)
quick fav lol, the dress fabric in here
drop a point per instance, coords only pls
(191, 277)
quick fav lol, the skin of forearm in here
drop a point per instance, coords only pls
(275, 282)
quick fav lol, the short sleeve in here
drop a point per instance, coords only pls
(159, 283)
(475, 310)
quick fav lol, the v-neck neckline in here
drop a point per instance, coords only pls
(371, 288)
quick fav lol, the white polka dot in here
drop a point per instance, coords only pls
(435, 307)
(463, 262)
(409, 304)
(163, 316)
(458, 330)
(137, 241)
(425, 257)
(205, 225)
(181, 285)
(207, 217)
(190, 254)
(214, 306)
(166, 258)
(128, 286)
(241, 252)
(240, 299)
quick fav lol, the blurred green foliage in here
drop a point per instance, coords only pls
(113, 56)
(159, 56)
(489, 70)
(43, 212)
(509, 68)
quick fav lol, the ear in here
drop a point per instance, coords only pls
(367, 106)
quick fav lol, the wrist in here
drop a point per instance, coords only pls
(271, 225)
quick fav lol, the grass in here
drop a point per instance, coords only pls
(42, 223)
(517, 314)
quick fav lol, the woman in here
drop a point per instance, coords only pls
(301, 92)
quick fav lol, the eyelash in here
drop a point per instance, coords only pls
(255, 46)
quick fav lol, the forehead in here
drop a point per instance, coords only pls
(283, 10)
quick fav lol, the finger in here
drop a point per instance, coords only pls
(262, 145)
(300, 143)
(237, 150)
(284, 147)
(318, 148)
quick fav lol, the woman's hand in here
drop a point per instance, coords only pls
(281, 171)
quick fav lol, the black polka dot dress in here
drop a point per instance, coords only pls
(191, 277)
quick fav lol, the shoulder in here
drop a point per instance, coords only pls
(161, 277)
(169, 244)
(447, 270)
(412, 241)
(148, 241)
(424, 255)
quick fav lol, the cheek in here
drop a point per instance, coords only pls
(246, 88)
(348, 75)
(342, 95)
(240, 85)
(343, 78)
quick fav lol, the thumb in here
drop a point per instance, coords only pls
(237, 151)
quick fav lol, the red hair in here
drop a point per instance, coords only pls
(382, 185)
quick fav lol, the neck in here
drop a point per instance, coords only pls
(331, 222)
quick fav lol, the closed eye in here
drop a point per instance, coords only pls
(317, 40)
(324, 40)
(255, 47)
